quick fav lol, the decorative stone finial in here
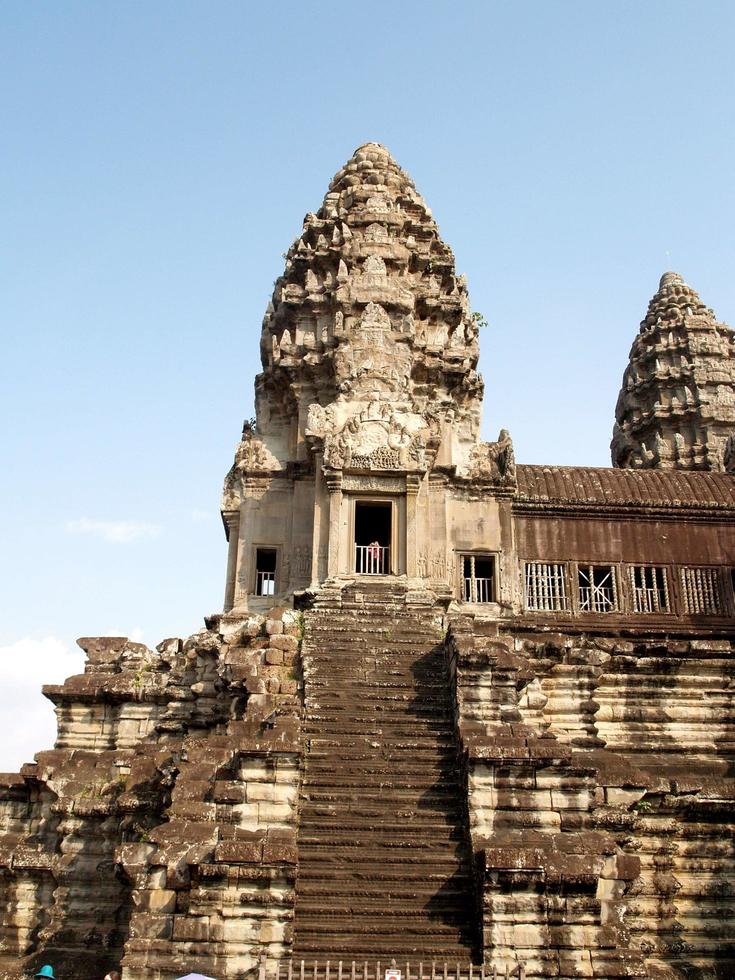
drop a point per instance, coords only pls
(670, 279)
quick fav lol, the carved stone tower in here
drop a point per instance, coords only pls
(369, 384)
(676, 408)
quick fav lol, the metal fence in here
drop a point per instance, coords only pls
(393, 970)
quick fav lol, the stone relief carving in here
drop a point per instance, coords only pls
(302, 561)
(378, 204)
(376, 233)
(252, 455)
(378, 437)
(385, 484)
(494, 461)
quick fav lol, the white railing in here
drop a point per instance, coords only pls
(372, 559)
(265, 583)
(478, 590)
(648, 600)
(364, 970)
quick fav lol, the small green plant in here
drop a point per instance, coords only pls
(480, 321)
(643, 806)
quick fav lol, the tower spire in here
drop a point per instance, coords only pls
(676, 408)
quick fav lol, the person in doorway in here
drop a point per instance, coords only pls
(112, 975)
(374, 556)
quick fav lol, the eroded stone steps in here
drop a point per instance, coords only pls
(384, 866)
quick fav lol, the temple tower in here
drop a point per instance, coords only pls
(369, 387)
(676, 408)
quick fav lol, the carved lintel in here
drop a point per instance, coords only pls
(373, 482)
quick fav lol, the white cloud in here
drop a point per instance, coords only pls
(120, 532)
(27, 721)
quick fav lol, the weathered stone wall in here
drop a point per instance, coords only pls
(159, 833)
(601, 799)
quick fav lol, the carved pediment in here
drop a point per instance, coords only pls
(378, 437)
(253, 456)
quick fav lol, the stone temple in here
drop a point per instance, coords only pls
(455, 708)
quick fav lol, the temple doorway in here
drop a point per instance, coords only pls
(373, 531)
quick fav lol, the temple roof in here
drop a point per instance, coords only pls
(598, 485)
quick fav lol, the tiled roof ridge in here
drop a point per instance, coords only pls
(608, 485)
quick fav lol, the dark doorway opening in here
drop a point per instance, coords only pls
(373, 537)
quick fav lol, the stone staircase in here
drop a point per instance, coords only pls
(384, 857)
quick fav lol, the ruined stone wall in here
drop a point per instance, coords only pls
(159, 833)
(601, 799)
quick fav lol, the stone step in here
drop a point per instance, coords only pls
(360, 676)
(382, 751)
(418, 739)
(392, 874)
(382, 781)
(367, 811)
(343, 854)
(378, 767)
(394, 919)
(438, 703)
(444, 798)
(371, 891)
(381, 835)
(394, 927)
(424, 951)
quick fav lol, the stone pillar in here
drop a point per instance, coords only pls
(413, 485)
(232, 521)
(244, 579)
(334, 486)
(320, 494)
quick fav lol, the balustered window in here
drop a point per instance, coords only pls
(701, 590)
(649, 589)
(545, 586)
(478, 578)
(265, 571)
(597, 587)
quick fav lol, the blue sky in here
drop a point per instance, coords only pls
(157, 159)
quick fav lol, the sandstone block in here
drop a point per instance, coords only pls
(191, 928)
(289, 644)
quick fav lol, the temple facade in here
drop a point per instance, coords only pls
(455, 708)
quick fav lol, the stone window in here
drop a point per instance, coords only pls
(701, 591)
(478, 578)
(545, 586)
(265, 571)
(649, 589)
(598, 591)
